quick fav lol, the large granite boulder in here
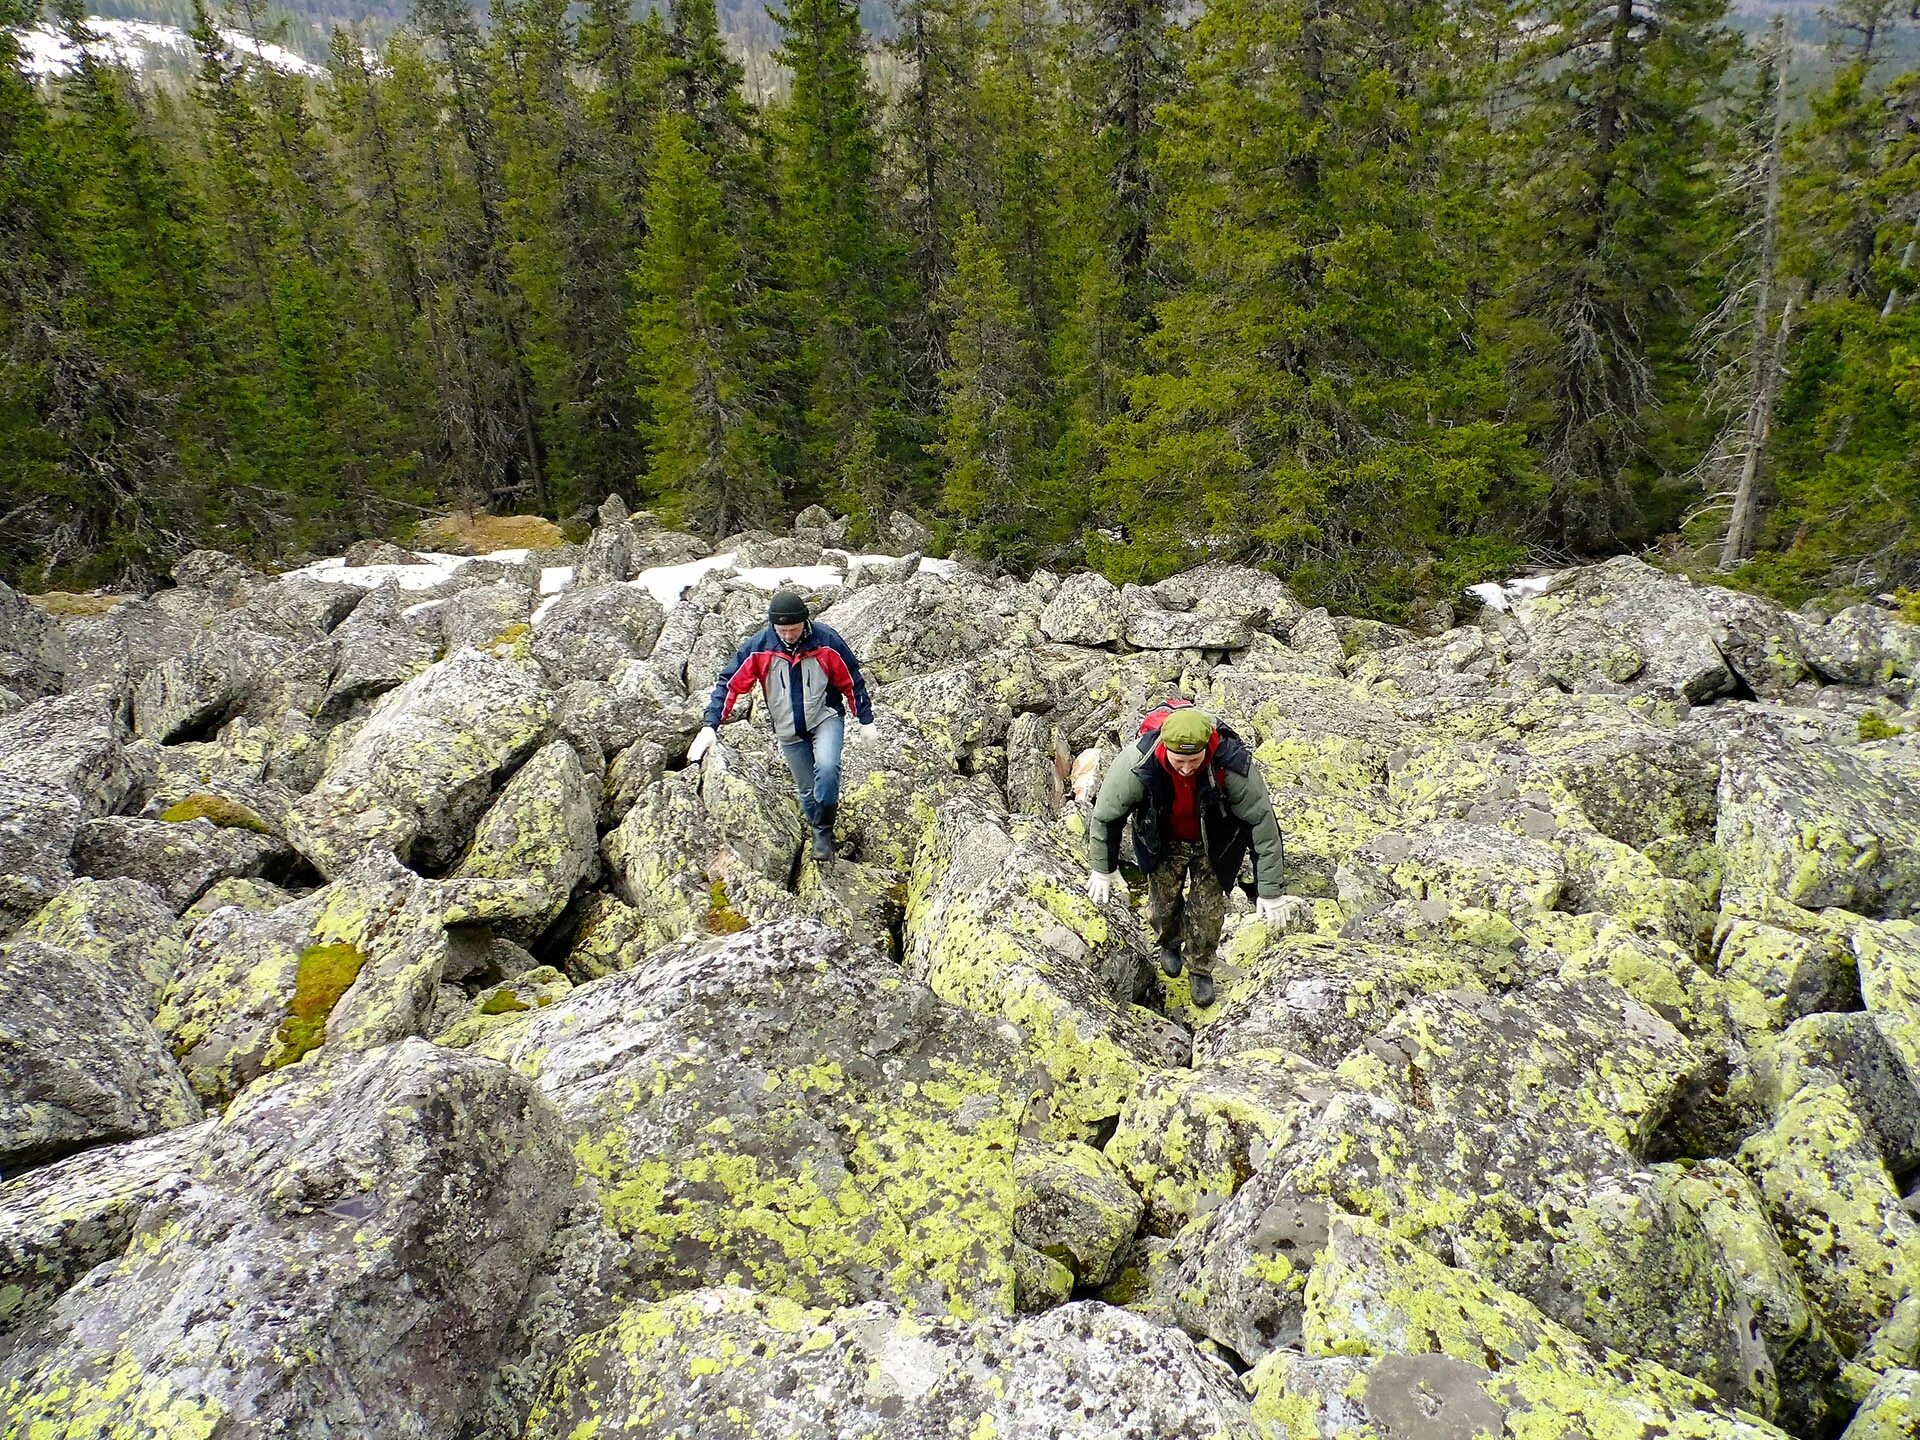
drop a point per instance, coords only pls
(416, 776)
(123, 928)
(1397, 1343)
(59, 1221)
(81, 1058)
(177, 858)
(354, 965)
(1004, 927)
(1863, 645)
(589, 630)
(735, 1365)
(536, 842)
(787, 1109)
(33, 647)
(1625, 622)
(364, 1231)
(1817, 825)
(61, 764)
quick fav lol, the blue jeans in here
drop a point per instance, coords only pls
(815, 764)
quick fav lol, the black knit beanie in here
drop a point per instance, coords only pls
(786, 608)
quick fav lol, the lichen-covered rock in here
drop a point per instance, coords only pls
(80, 1059)
(1477, 1125)
(955, 710)
(364, 1230)
(1004, 927)
(1725, 1204)
(179, 859)
(894, 780)
(247, 894)
(373, 652)
(121, 926)
(354, 965)
(1259, 598)
(735, 1365)
(33, 648)
(1318, 997)
(1891, 1410)
(1881, 1084)
(707, 851)
(59, 1221)
(1463, 863)
(536, 842)
(1073, 1205)
(1187, 1139)
(1040, 1282)
(61, 764)
(1774, 974)
(1373, 1296)
(1625, 622)
(926, 623)
(485, 615)
(232, 668)
(1149, 627)
(1819, 826)
(1758, 640)
(1827, 1192)
(789, 1110)
(1036, 767)
(610, 936)
(591, 629)
(1888, 958)
(1863, 645)
(532, 989)
(417, 774)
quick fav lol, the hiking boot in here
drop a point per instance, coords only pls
(1202, 990)
(1170, 961)
(822, 843)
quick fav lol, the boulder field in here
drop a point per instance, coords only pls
(399, 1038)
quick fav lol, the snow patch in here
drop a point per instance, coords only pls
(136, 43)
(1503, 596)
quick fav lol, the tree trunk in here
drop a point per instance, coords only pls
(1767, 353)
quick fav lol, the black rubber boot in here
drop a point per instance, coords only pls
(1201, 989)
(1170, 961)
(823, 832)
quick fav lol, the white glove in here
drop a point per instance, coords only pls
(702, 743)
(1270, 910)
(1102, 888)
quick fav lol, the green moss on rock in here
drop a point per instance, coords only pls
(325, 973)
(220, 810)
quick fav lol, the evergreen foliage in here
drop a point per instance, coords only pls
(1388, 295)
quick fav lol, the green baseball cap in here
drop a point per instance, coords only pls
(1186, 732)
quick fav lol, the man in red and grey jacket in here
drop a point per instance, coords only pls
(809, 678)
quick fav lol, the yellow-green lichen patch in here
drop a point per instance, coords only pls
(1837, 1213)
(219, 809)
(325, 972)
(116, 1399)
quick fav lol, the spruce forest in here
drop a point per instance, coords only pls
(1390, 296)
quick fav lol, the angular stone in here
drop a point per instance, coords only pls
(123, 927)
(1072, 1204)
(790, 1110)
(1827, 1192)
(418, 773)
(1187, 1139)
(533, 846)
(1625, 622)
(1004, 927)
(588, 631)
(82, 1061)
(179, 859)
(1463, 863)
(59, 1221)
(735, 1365)
(1758, 639)
(1818, 826)
(426, 1179)
(352, 966)
(33, 647)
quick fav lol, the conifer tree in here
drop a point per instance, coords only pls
(709, 440)
(1606, 237)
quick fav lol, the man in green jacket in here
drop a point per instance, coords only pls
(1197, 802)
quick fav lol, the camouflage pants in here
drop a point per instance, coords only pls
(1193, 920)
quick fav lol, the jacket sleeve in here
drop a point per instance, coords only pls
(1120, 795)
(725, 692)
(857, 686)
(1253, 806)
